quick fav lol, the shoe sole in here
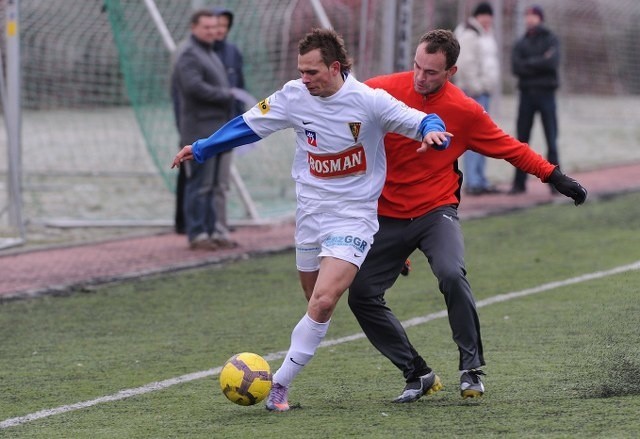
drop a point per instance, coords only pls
(436, 387)
(471, 393)
(276, 408)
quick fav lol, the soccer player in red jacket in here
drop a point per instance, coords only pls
(418, 210)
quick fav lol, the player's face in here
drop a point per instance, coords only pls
(206, 29)
(320, 79)
(430, 71)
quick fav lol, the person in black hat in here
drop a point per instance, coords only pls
(232, 59)
(203, 100)
(478, 76)
(535, 61)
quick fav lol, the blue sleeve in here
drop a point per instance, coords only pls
(432, 122)
(234, 133)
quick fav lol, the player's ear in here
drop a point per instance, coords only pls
(452, 71)
(335, 67)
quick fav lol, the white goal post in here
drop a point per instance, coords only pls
(12, 117)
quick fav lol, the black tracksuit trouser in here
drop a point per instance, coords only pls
(438, 235)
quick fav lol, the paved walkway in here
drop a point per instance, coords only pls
(59, 269)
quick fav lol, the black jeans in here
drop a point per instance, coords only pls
(534, 101)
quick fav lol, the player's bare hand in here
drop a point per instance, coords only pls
(438, 140)
(184, 154)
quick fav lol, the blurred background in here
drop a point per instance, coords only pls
(97, 128)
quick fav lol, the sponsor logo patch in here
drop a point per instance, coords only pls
(264, 107)
(352, 161)
(358, 244)
(312, 137)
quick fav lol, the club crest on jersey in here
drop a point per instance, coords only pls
(355, 130)
(264, 107)
(351, 161)
(312, 137)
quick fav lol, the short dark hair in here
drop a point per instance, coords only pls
(195, 17)
(331, 47)
(442, 40)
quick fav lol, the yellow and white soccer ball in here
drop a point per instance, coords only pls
(245, 378)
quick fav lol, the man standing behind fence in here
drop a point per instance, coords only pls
(206, 103)
(478, 76)
(535, 61)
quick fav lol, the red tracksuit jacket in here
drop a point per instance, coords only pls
(418, 183)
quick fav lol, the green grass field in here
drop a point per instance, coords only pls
(560, 363)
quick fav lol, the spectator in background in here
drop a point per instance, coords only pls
(204, 102)
(231, 57)
(478, 76)
(535, 61)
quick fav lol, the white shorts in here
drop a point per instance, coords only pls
(328, 234)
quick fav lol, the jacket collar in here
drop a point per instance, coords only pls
(201, 43)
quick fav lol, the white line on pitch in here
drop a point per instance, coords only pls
(159, 385)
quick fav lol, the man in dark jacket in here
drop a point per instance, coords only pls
(231, 57)
(229, 54)
(535, 61)
(205, 103)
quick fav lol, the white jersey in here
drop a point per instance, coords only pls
(339, 163)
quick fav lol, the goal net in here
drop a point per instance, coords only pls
(98, 132)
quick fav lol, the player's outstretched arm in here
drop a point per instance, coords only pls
(234, 133)
(568, 186)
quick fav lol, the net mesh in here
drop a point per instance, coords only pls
(98, 132)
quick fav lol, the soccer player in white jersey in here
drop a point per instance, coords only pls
(339, 168)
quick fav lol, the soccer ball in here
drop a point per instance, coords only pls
(245, 378)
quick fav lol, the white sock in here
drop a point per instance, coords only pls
(305, 338)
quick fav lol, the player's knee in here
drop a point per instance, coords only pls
(357, 289)
(321, 307)
(354, 300)
(450, 278)
(365, 301)
(360, 293)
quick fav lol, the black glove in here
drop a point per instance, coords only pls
(568, 186)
